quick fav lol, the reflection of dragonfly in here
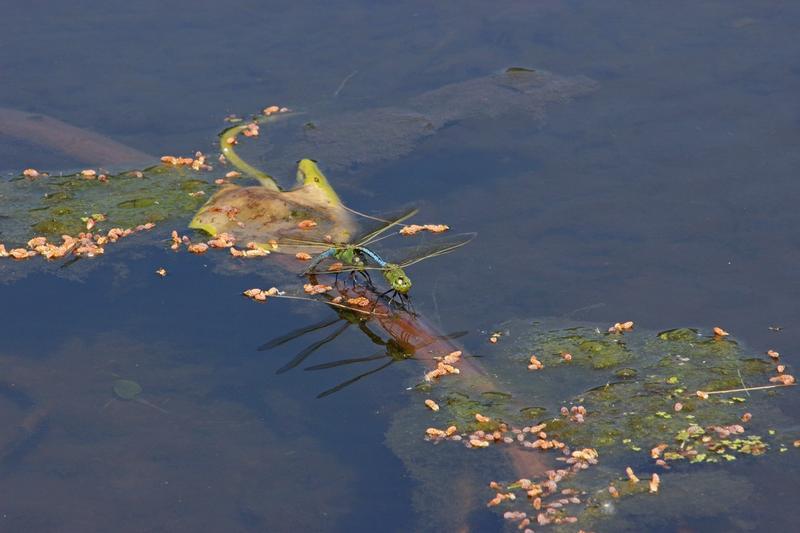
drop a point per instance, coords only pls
(356, 256)
(394, 350)
(345, 315)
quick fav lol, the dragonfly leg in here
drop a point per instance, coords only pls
(379, 298)
(367, 277)
(406, 304)
(400, 300)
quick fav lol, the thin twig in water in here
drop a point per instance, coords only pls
(584, 308)
(344, 82)
(741, 380)
(436, 302)
(751, 388)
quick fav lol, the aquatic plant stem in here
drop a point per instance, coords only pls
(344, 82)
(227, 140)
(763, 387)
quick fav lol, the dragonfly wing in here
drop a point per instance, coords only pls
(414, 254)
(439, 247)
(378, 225)
(371, 229)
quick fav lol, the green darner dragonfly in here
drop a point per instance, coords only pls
(355, 253)
(358, 257)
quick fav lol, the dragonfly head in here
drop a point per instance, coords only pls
(309, 174)
(397, 278)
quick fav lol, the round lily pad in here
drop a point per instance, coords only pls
(126, 389)
(532, 413)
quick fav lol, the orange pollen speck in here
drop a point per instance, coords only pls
(631, 475)
(358, 302)
(306, 224)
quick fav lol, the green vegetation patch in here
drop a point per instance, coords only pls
(55, 205)
(630, 397)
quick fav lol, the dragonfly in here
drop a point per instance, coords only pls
(357, 256)
(394, 272)
(356, 253)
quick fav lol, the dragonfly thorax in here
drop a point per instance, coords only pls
(350, 255)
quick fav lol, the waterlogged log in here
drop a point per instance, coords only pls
(345, 140)
(84, 145)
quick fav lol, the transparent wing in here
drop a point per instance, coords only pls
(415, 254)
(378, 225)
(442, 246)
(371, 228)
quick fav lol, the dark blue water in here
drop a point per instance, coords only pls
(666, 196)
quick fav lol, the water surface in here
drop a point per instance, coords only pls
(666, 196)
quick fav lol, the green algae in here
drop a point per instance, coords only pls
(462, 410)
(55, 205)
(533, 413)
(638, 390)
(599, 353)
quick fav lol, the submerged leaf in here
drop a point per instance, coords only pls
(126, 389)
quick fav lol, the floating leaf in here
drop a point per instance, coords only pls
(532, 413)
(258, 214)
(126, 389)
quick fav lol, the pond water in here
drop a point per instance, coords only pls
(656, 183)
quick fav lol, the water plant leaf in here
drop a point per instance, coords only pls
(126, 389)
(258, 214)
